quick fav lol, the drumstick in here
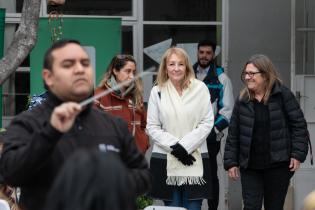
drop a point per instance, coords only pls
(116, 87)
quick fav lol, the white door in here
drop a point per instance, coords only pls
(303, 85)
(304, 178)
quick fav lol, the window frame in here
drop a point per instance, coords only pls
(138, 23)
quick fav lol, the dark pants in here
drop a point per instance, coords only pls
(213, 150)
(270, 185)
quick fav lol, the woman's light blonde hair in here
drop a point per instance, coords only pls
(268, 72)
(117, 63)
(162, 76)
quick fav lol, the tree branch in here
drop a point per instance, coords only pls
(24, 39)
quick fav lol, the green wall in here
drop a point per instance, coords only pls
(2, 25)
(102, 34)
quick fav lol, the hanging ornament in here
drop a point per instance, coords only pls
(55, 24)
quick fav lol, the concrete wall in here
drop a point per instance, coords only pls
(257, 27)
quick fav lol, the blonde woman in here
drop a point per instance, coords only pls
(127, 102)
(180, 117)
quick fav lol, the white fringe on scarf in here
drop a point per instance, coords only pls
(179, 174)
(184, 180)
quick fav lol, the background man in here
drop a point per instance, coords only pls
(220, 89)
(39, 141)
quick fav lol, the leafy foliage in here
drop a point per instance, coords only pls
(143, 201)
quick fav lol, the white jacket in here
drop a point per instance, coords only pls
(163, 140)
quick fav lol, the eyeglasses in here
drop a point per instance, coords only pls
(250, 73)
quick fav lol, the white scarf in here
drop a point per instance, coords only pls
(182, 114)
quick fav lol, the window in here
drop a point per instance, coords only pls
(305, 51)
(179, 10)
(168, 23)
(127, 39)
(97, 7)
(305, 37)
(19, 5)
(145, 23)
(176, 34)
(12, 6)
(16, 92)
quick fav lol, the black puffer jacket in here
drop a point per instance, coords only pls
(288, 130)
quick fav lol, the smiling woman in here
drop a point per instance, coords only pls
(180, 117)
(266, 141)
(176, 68)
(259, 76)
(254, 80)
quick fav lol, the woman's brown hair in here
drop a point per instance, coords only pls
(267, 70)
(117, 63)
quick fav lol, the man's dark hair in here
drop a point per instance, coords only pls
(48, 58)
(207, 43)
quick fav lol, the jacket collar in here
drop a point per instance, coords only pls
(211, 67)
(275, 90)
(53, 101)
(127, 95)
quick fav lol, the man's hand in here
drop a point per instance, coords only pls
(294, 164)
(63, 116)
(234, 173)
(219, 134)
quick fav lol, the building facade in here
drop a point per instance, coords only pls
(284, 30)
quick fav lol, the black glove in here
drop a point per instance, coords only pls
(182, 155)
(189, 160)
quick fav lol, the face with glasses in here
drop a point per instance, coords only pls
(253, 78)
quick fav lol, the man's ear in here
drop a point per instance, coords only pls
(47, 76)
